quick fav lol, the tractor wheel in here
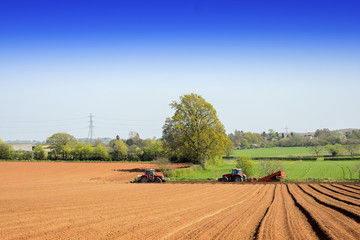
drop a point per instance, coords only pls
(158, 180)
(237, 179)
(143, 180)
(224, 179)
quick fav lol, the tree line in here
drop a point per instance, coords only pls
(64, 146)
(333, 141)
(193, 134)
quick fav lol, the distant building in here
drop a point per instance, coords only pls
(28, 147)
(308, 137)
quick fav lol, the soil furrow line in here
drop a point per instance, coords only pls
(336, 208)
(338, 192)
(321, 234)
(298, 227)
(231, 223)
(344, 189)
(262, 219)
(227, 232)
(284, 220)
(202, 218)
(333, 197)
(353, 186)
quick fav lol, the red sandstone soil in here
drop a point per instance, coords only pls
(327, 222)
(284, 220)
(346, 190)
(46, 200)
(354, 187)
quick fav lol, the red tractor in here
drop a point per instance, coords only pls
(150, 176)
(236, 175)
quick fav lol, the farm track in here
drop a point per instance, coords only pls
(92, 201)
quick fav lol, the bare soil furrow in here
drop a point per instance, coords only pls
(262, 219)
(284, 220)
(312, 220)
(330, 194)
(353, 186)
(335, 224)
(238, 222)
(349, 211)
(339, 191)
(58, 200)
(344, 188)
(199, 208)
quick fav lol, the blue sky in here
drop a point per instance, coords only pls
(262, 64)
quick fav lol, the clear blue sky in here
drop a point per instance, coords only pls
(262, 64)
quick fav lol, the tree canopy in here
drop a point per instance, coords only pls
(194, 132)
(58, 140)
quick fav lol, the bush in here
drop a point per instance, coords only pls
(6, 151)
(27, 156)
(164, 165)
(180, 173)
(334, 150)
(39, 153)
(100, 153)
(246, 164)
(268, 167)
(19, 155)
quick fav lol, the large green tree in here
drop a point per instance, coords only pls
(194, 132)
(58, 140)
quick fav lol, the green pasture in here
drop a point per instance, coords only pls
(274, 152)
(295, 171)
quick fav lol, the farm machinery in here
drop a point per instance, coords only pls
(150, 176)
(237, 175)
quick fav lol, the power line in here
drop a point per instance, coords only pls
(40, 121)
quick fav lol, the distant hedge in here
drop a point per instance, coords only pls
(341, 158)
(279, 158)
(287, 158)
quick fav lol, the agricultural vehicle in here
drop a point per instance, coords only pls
(237, 176)
(150, 176)
(274, 177)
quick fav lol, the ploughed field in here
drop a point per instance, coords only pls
(46, 200)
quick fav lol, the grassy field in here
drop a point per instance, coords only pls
(295, 171)
(274, 152)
